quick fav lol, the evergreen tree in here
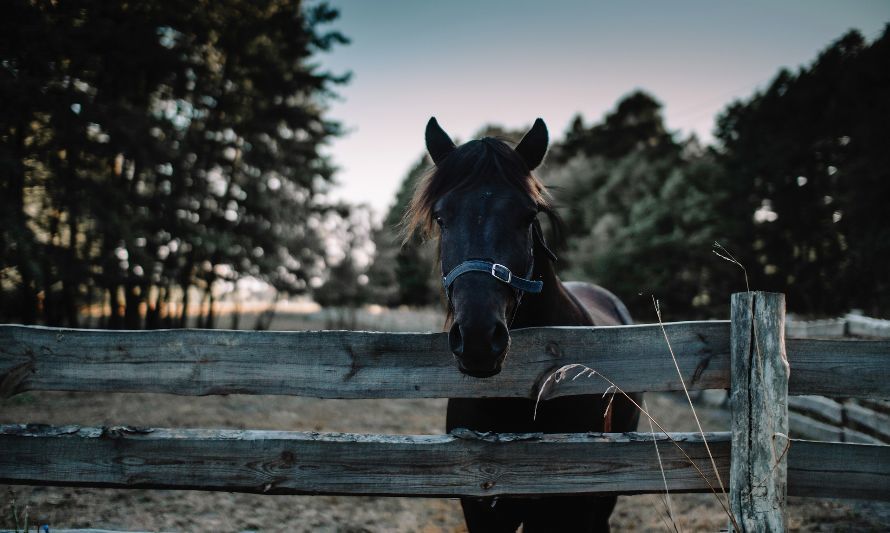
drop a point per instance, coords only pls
(640, 210)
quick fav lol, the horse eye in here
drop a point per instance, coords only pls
(440, 222)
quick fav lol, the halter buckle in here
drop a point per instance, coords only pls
(496, 268)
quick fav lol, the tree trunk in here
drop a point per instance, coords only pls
(183, 313)
(115, 319)
(25, 249)
(70, 272)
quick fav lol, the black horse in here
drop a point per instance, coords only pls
(483, 202)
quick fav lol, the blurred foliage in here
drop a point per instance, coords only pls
(346, 286)
(641, 210)
(795, 187)
(151, 147)
(410, 277)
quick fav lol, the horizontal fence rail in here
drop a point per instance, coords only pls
(465, 463)
(851, 324)
(344, 364)
(839, 367)
(844, 420)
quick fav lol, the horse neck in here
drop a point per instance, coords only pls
(553, 306)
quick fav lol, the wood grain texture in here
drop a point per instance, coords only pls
(759, 403)
(849, 368)
(838, 470)
(339, 364)
(433, 465)
(343, 364)
(461, 464)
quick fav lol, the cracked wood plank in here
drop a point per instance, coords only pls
(464, 463)
(344, 364)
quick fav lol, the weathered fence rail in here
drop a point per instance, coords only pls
(851, 324)
(465, 463)
(279, 462)
(748, 355)
(347, 364)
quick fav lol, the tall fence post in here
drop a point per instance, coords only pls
(759, 400)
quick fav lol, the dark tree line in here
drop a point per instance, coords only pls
(795, 187)
(811, 154)
(150, 148)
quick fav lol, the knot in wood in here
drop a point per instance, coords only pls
(553, 350)
(487, 485)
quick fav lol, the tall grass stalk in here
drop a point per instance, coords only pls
(666, 500)
(689, 398)
(560, 374)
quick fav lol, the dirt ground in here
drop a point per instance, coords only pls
(154, 510)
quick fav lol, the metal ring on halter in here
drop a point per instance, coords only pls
(494, 271)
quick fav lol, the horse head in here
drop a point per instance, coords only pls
(482, 201)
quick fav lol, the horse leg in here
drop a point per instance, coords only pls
(581, 513)
(495, 515)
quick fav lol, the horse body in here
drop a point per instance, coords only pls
(559, 304)
(485, 201)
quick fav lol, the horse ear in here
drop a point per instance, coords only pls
(533, 146)
(438, 143)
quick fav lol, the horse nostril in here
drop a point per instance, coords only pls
(456, 340)
(479, 343)
(500, 339)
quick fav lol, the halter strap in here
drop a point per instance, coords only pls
(497, 270)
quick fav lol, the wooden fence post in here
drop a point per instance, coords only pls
(759, 400)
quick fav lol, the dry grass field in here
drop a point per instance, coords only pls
(149, 510)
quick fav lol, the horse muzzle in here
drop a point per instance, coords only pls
(480, 350)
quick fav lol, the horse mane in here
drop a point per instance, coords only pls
(483, 160)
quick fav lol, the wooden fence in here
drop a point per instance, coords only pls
(748, 355)
(850, 325)
(840, 418)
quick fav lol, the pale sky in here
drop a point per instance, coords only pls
(471, 63)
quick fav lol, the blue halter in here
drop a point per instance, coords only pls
(497, 270)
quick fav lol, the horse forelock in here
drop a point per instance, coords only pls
(476, 162)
